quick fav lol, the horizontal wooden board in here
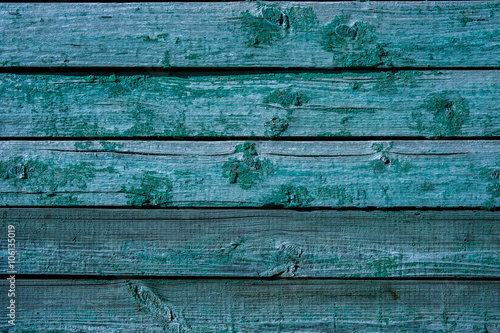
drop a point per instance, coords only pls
(404, 103)
(290, 174)
(246, 34)
(255, 243)
(254, 306)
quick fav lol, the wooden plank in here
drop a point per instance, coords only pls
(404, 103)
(255, 306)
(255, 243)
(242, 34)
(290, 174)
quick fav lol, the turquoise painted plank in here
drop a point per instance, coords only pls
(291, 174)
(404, 103)
(251, 34)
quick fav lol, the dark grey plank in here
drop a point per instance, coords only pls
(255, 306)
(253, 243)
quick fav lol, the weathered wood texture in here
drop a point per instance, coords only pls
(289, 174)
(253, 243)
(243, 34)
(404, 103)
(256, 306)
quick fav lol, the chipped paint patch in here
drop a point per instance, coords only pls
(354, 45)
(449, 112)
(272, 24)
(493, 186)
(336, 192)
(286, 98)
(385, 162)
(265, 28)
(248, 169)
(155, 191)
(301, 18)
(275, 126)
(288, 196)
(47, 180)
(389, 81)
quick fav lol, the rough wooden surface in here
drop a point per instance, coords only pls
(253, 243)
(404, 103)
(245, 34)
(289, 174)
(256, 306)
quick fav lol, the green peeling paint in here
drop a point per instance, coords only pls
(46, 179)
(336, 192)
(288, 196)
(464, 20)
(285, 98)
(493, 187)
(301, 17)
(110, 146)
(266, 28)
(356, 86)
(449, 111)
(155, 191)
(247, 170)
(273, 23)
(124, 84)
(385, 266)
(389, 81)
(166, 60)
(385, 163)
(353, 46)
(339, 133)
(275, 126)
(427, 187)
(83, 145)
(374, 57)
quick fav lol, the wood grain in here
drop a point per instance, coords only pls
(256, 306)
(242, 34)
(404, 103)
(289, 174)
(255, 243)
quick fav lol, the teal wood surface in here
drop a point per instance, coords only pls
(255, 243)
(251, 34)
(289, 174)
(428, 103)
(251, 166)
